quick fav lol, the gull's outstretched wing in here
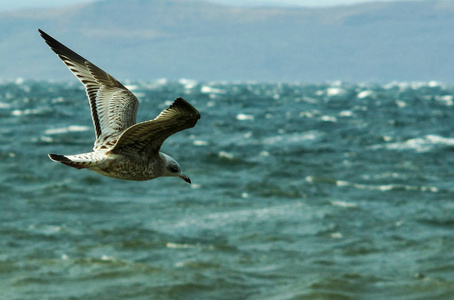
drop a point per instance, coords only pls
(147, 137)
(113, 106)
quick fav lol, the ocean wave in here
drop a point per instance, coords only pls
(372, 187)
(71, 128)
(29, 111)
(366, 94)
(208, 89)
(238, 216)
(293, 138)
(423, 144)
(244, 117)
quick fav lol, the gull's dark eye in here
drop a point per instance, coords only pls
(173, 168)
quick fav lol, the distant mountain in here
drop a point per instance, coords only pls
(149, 39)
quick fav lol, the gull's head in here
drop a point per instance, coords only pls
(172, 168)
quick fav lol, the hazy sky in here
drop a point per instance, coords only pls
(11, 5)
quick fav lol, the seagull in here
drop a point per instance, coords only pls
(123, 149)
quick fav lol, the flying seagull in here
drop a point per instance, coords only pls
(123, 149)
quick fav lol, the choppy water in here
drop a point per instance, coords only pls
(329, 191)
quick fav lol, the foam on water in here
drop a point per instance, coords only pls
(423, 144)
(63, 130)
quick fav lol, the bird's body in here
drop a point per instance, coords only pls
(113, 165)
(123, 149)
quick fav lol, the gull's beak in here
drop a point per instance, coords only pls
(185, 178)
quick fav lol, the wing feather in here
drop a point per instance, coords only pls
(113, 106)
(147, 137)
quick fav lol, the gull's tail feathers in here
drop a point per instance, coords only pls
(80, 161)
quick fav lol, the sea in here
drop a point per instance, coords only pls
(333, 190)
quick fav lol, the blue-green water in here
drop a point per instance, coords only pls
(328, 191)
